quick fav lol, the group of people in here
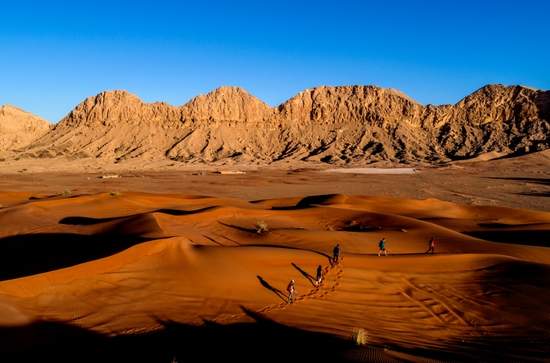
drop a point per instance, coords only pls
(382, 246)
(335, 260)
(319, 275)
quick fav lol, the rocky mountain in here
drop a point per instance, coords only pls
(342, 125)
(19, 128)
(113, 126)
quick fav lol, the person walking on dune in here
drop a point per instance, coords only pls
(382, 247)
(336, 254)
(431, 246)
(291, 288)
(319, 277)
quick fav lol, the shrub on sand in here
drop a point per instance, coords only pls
(261, 227)
(66, 193)
(360, 336)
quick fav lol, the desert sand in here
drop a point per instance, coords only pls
(102, 271)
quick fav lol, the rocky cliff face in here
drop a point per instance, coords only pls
(353, 124)
(227, 123)
(113, 126)
(357, 125)
(507, 119)
(19, 128)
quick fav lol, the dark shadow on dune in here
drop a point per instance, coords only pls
(275, 290)
(262, 340)
(310, 278)
(315, 200)
(30, 254)
(525, 237)
(56, 196)
(541, 181)
(178, 212)
(50, 341)
(34, 198)
(535, 194)
(87, 221)
(308, 202)
(518, 272)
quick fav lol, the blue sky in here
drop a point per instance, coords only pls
(53, 53)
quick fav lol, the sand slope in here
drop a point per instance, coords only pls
(119, 264)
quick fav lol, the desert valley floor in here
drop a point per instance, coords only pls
(160, 266)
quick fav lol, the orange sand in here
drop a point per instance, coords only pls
(117, 264)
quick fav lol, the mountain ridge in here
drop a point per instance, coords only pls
(330, 124)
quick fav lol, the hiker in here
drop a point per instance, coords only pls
(382, 247)
(431, 246)
(291, 288)
(319, 277)
(336, 254)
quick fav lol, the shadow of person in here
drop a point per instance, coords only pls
(278, 292)
(310, 278)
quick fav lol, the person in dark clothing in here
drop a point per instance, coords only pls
(319, 277)
(382, 247)
(431, 246)
(336, 254)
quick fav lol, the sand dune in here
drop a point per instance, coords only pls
(120, 264)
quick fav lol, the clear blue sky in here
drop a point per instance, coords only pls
(55, 53)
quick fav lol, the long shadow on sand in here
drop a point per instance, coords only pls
(275, 290)
(522, 237)
(304, 273)
(262, 340)
(30, 254)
